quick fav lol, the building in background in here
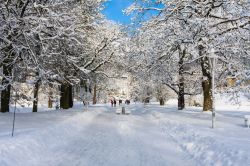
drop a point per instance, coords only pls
(119, 87)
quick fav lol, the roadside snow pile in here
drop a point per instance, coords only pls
(35, 147)
(206, 150)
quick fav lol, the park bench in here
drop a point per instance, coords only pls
(247, 120)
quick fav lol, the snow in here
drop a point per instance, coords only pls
(150, 135)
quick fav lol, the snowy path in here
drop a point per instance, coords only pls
(159, 136)
(122, 140)
(96, 138)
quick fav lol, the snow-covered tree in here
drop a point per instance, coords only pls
(13, 43)
(64, 42)
(194, 28)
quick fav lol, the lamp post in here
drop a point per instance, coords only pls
(15, 97)
(212, 61)
(87, 104)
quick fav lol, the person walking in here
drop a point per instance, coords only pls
(112, 103)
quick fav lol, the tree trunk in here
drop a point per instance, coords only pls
(64, 97)
(181, 98)
(71, 102)
(66, 100)
(5, 94)
(35, 101)
(207, 102)
(94, 95)
(162, 102)
(207, 82)
(50, 105)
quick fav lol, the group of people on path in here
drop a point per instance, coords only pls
(113, 102)
(127, 102)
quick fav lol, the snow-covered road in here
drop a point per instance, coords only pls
(100, 137)
(95, 138)
(121, 140)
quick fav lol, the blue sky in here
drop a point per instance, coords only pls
(113, 10)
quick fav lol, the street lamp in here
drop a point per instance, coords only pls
(87, 103)
(212, 60)
(15, 97)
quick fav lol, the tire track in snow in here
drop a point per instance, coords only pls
(155, 147)
(106, 147)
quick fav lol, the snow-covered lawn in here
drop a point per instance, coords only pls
(151, 135)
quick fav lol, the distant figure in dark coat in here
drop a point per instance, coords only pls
(114, 102)
(127, 102)
(120, 102)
